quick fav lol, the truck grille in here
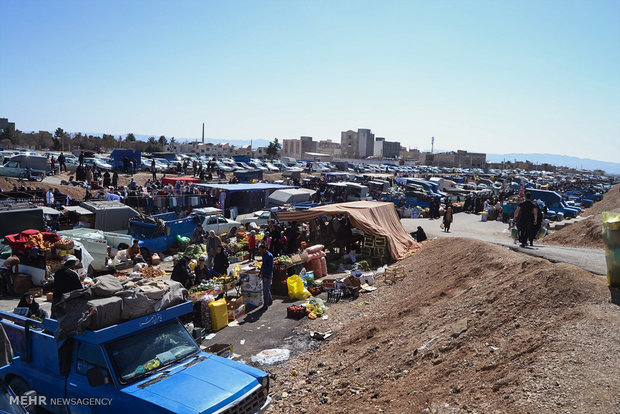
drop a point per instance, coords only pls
(250, 404)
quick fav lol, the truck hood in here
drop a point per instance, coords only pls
(203, 387)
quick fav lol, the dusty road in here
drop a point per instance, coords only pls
(470, 226)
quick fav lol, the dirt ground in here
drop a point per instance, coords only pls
(473, 327)
(76, 193)
(587, 232)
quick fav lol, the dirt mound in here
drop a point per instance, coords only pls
(76, 193)
(474, 327)
(587, 232)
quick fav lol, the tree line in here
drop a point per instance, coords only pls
(61, 140)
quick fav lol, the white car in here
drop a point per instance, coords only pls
(260, 217)
(212, 220)
(220, 225)
(271, 167)
(96, 162)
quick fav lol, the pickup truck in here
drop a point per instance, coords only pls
(96, 242)
(154, 239)
(146, 365)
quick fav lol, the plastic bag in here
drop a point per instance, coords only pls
(271, 356)
(182, 238)
(296, 289)
(611, 239)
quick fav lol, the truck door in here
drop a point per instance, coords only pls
(89, 356)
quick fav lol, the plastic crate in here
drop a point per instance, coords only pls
(379, 252)
(367, 251)
(369, 241)
(380, 242)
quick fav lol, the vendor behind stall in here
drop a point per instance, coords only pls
(220, 262)
(182, 273)
(34, 310)
(66, 280)
(134, 253)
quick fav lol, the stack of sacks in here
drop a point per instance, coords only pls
(316, 261)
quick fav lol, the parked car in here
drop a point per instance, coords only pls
(96, 162)
(261, 218)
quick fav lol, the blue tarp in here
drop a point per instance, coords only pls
(231, 188)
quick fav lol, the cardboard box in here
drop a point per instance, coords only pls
(253, 298)
(232, 304)
(236, 313)
(223, 350)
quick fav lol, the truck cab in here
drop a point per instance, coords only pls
(146, 365)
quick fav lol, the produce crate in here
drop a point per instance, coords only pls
(380, 242)
(328, 283)
(379, 252)
(367, 251)
(295, 312)
(369, 241)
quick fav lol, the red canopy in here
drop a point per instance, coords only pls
(18, 241)
(173, 180)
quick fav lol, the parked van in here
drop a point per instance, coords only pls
(21, 166)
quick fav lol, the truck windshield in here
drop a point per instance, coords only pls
(146, 352)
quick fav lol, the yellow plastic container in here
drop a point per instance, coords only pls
(219, 314)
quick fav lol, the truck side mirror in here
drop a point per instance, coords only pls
(96, 377)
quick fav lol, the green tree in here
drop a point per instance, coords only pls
(10, 134)
(152, 145)
(162, 142)
(273, 148)
(130, 137)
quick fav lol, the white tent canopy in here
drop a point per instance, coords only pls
(290, 196)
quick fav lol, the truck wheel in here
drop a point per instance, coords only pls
(20, 387)
(146, 255)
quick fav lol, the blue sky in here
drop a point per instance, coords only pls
(490, 76)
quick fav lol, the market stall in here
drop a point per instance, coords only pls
(374, 218)
(182, 180)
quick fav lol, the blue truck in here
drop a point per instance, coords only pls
(555, 203)
(118, 154)
(160, 233)
(146, 365)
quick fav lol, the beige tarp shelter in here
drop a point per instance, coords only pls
(374, 218)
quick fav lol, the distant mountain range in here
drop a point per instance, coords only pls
(559, 160)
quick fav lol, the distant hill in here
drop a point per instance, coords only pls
(559, 160)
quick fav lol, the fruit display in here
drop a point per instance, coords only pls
(194, 251)
(152, 272)
(36, 240)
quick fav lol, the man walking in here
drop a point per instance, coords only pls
(266, 272)
(61, 162)
(525, 216)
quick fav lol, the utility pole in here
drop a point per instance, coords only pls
(203, 132)
(432, 144)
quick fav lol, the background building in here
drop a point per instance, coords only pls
(366, 143)
(349, 144)
(391, 149)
